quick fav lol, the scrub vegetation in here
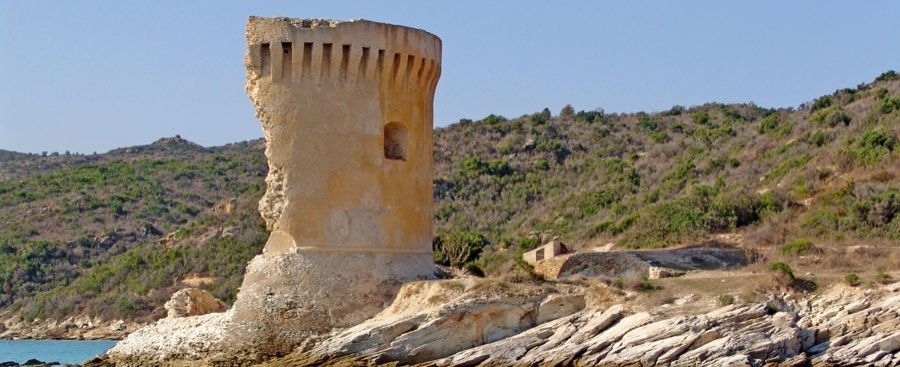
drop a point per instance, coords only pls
(115, 234)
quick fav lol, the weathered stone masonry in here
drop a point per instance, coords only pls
(346, 108)
(347, 112)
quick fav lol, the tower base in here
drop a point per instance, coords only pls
(286, 299)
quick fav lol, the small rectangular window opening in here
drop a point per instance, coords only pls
(265, 56)
(286, 49)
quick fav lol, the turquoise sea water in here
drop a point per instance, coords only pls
(62, 351)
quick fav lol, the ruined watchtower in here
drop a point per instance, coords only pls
(346, 108)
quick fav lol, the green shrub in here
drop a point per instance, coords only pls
(498, 167)
(851, 279)
(871, 146)
(648, 124)
(593, 202)
(540, 118)
(767, 124)
(818, 138)
(887, 76)
(614, 228)
(889, 105)
(473, 166)
(838, 117)
(659, 137)
(796, 248)
(731, 113)
(877, 209)
(787, 165)
(646, 285)
(494, 120)
(494, 263)
(782, 274)
(700, 118)
(676, 110)
(883, 277)
(589, 117)
(458, 248)
(820, 103)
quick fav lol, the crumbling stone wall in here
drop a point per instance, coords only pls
(346, 108)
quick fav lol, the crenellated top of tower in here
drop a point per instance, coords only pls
(329, 51)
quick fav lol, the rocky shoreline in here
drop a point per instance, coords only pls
(843, 326)
(476, 322)
(96, 362)
(489, 322)
(185, 302)
(72, 328)
(37, 363)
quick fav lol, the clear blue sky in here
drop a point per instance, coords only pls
(91, 76)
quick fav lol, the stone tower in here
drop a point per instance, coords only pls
(346, 108)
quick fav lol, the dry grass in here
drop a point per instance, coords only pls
(601, 295)
(653, 301)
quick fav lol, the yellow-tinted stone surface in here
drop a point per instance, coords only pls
(347, 112)
(346, 108)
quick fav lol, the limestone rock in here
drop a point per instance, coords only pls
(467, 322)
(118, 326)
(472, 314)
(171, 339)
(193, 302)
(893, 287)
(559, 305)
(525, 348)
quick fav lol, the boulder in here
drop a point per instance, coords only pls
(559, 305)
(192, 302)
(656, 272)
(118, 326)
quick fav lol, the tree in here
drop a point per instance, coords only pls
(566, 112)
(457, 248)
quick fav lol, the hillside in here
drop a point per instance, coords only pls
(826, 172)
(6, 155)
(115, 234)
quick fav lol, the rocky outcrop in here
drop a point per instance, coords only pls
(74, 327)
(427, 320)
(845, 326)
(193, 302)
(433, 320)
(35, 363)
(186, 302)
(194, 329)
(181, 339)
(652, 264)
(848, 327)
